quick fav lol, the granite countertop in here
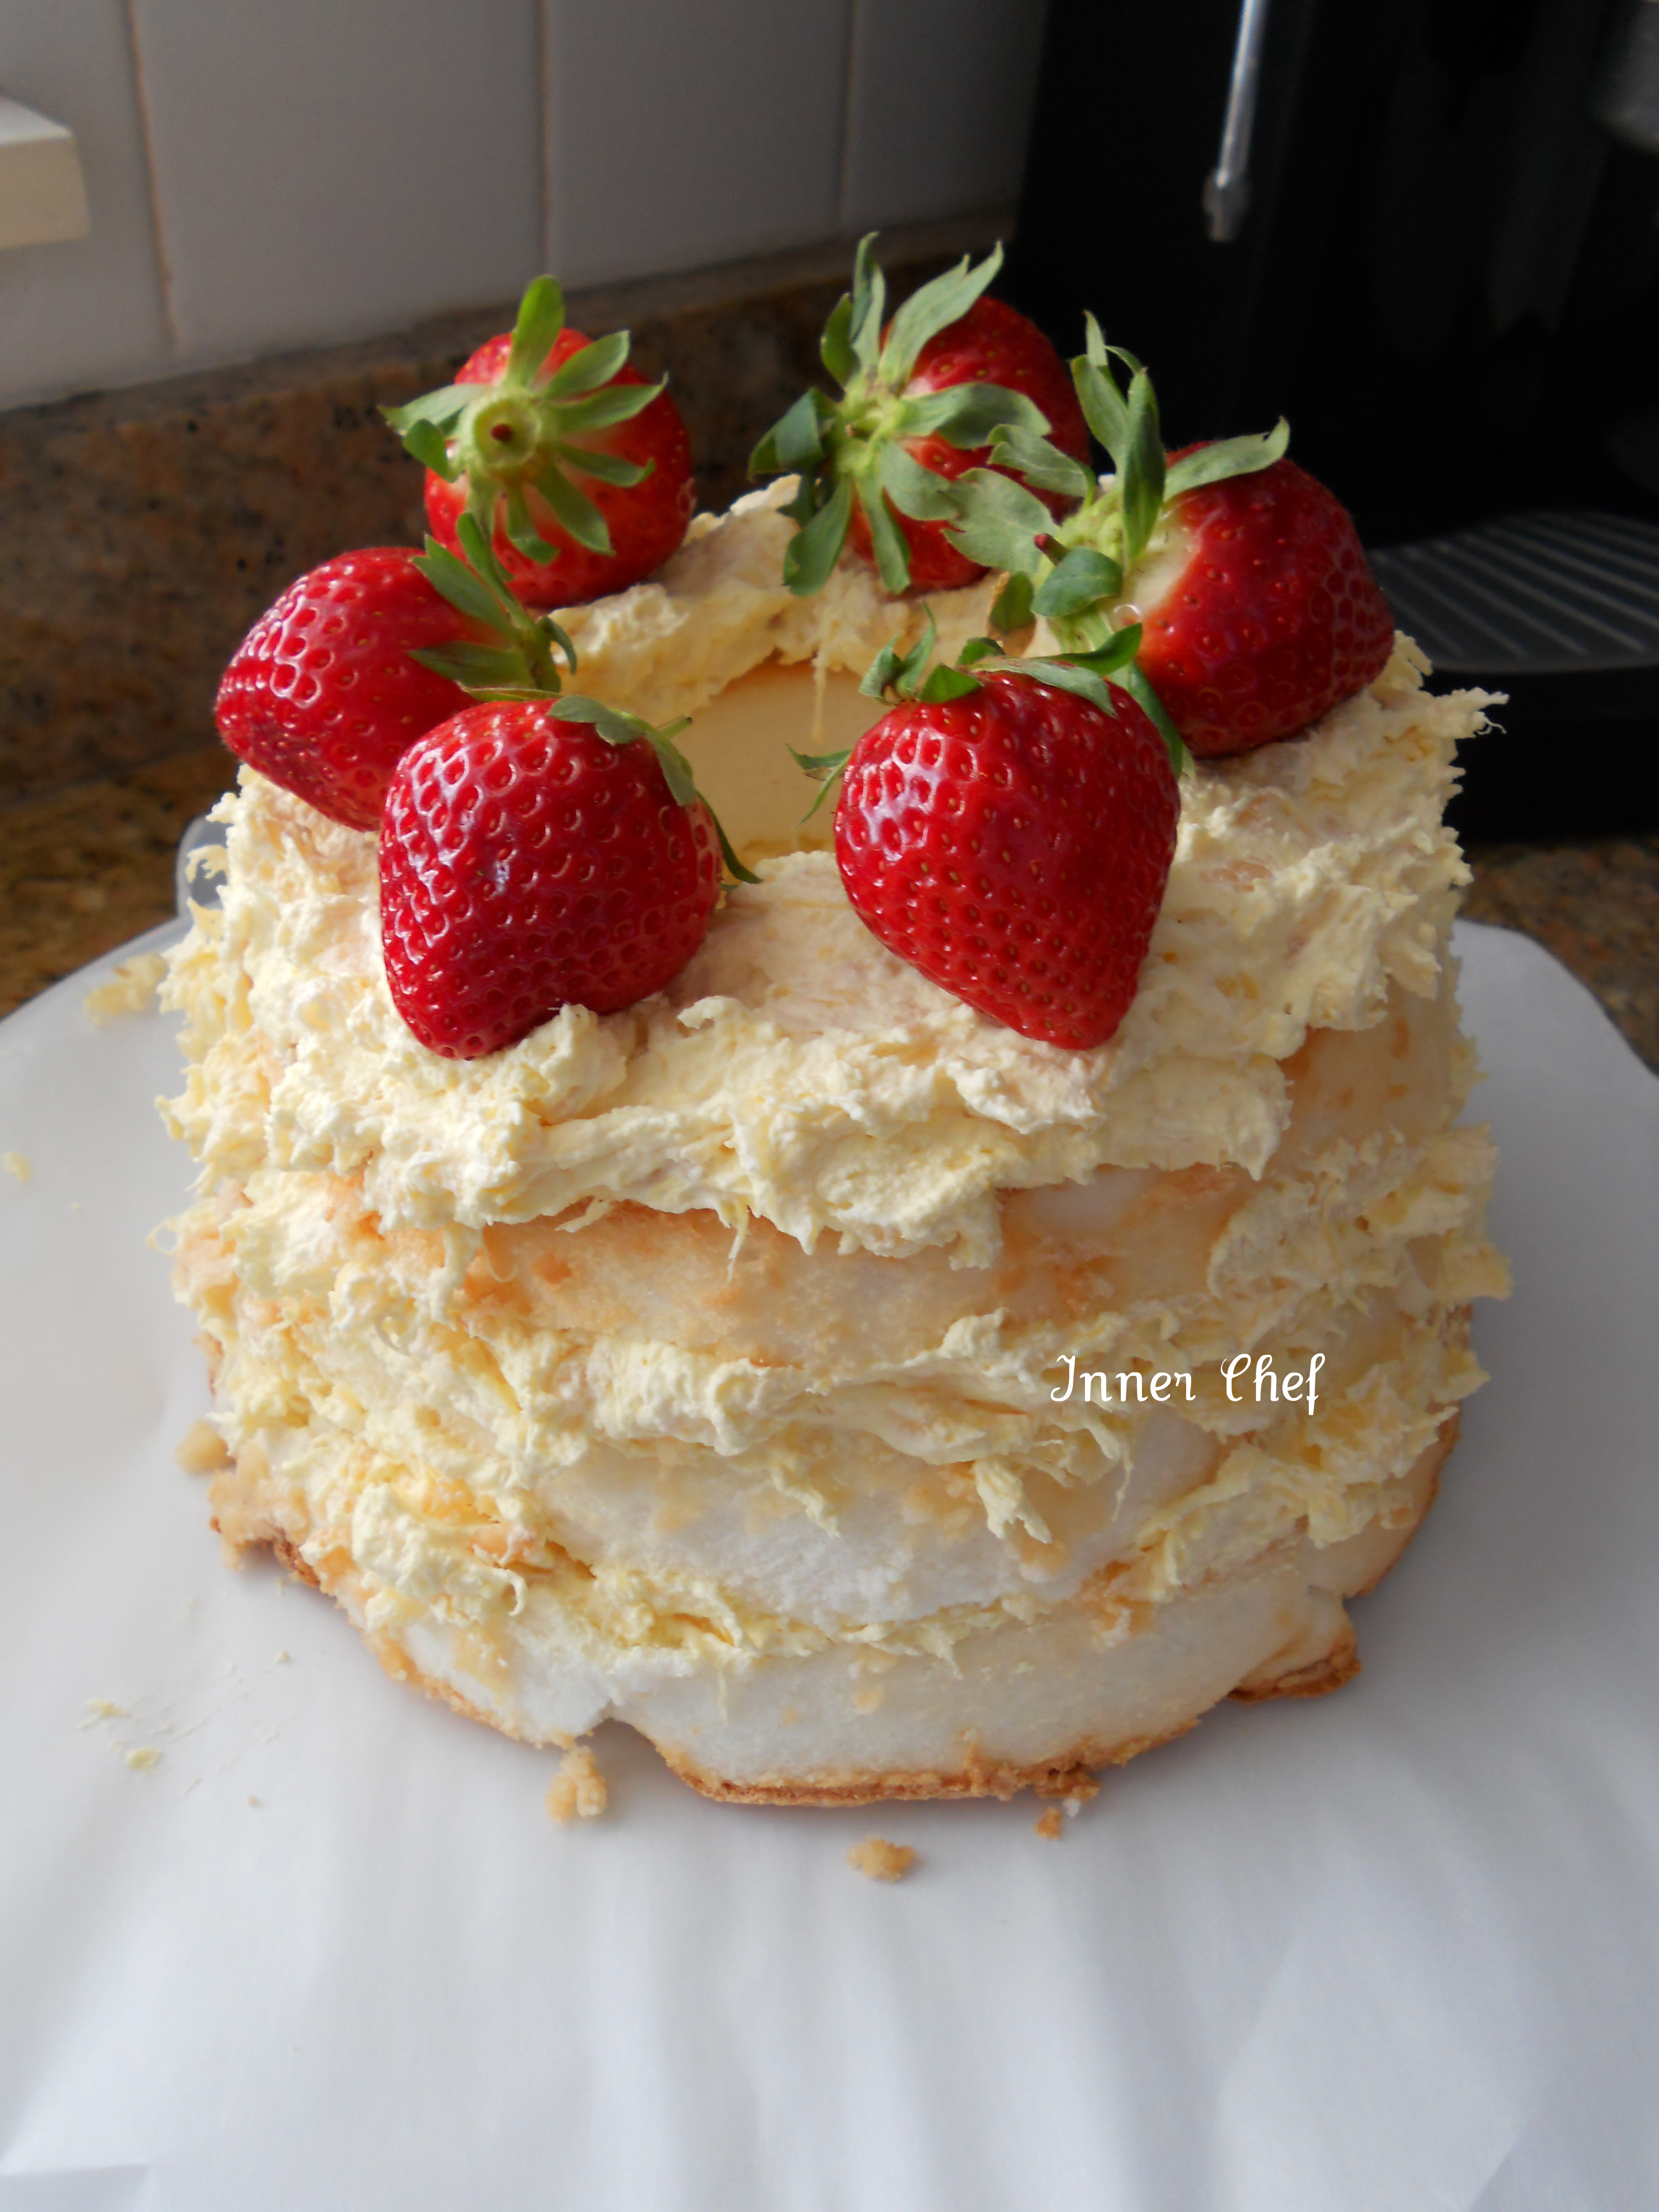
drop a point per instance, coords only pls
(87, 868)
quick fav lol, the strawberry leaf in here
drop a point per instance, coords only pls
(794, 444)
(967, 414)
(461, 585)
(1001, 522)
(824, 767)
(836, 346)
(593, 365)
(574, 511)
(540, 319)
(914, 490)
(474, 541)
(522, 533)
(426, 443)
(614, 724)
(946, 301)
(1065, 676)
(868, 305)
(898, 672)
(1142, 472)
(885, 673)
(1012, 609)
(1083, 577)
(523, 665)
(1043, 466)
(821, 764)
(553, 635)
(601, 411)
(1135, 681)
(675, 766)
(947, 684)
(476, 667)
(441, 406)
(734, 867)
(886, 538)
(815, 548)
(978, 650)
(608, 468)
(1227, 457)
(1117, 652)
(1102, 403)
(1099, 354)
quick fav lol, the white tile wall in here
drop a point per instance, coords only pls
(327, 168)
(266, 174)
(87, 312)
(940, 108)
(686, 132)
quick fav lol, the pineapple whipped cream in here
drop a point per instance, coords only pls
(706, 1364)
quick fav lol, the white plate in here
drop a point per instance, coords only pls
(1395, 1951)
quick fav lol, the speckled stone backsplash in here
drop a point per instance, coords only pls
(146, 530)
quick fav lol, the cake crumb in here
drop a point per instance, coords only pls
(880, 1860)
(283, 1659)
(201, 1450)
(1053, 1824)
(1074, 1788)
(253, 1800)
(131, 990)
(141, 1758)
(18, 1164)
(577, 1791)
(103, 1709)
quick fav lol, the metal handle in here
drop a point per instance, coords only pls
(1627, 102)
(1227, 188)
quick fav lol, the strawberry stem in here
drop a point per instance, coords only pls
(1090, 674)
(1074, 573)
(524, 432)
(854, 448)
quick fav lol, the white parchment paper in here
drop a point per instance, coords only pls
(1394, 1951)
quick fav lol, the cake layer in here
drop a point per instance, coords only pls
(998, 1703)
(844, 1444)
(798, 1072)
(669, 1548)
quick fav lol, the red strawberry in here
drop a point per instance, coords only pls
(322, 695)
(1253, 604)
(992, 343)
(1014, 844)
(580, 470)
(922, 396)
(529, 863)
(1274, 616)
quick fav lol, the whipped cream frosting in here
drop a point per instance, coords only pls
(797, 1070)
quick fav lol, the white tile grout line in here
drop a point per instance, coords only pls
(844, 178)
(146, 132)
(544, 45)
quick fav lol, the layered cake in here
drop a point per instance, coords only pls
(858, 1397)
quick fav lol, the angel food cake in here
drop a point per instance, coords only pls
(856, 1395)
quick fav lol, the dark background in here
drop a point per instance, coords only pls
(1448, 279)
